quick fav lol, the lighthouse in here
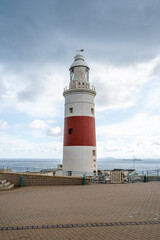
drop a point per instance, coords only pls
(79, 146)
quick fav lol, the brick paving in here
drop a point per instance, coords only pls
(97, 203)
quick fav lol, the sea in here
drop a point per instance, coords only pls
(37, 164)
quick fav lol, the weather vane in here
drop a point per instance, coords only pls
(81, 50)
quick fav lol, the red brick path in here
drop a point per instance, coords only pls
(82, 204)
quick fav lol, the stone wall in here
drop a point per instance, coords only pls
(41, 180)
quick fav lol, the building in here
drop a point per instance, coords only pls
(79, 151)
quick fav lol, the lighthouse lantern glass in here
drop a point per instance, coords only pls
(72, 74)
(87, 74)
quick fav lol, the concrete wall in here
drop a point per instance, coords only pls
(41, 180)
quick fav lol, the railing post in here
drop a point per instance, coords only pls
(157, 175)
(104, 176)
(147, 176)
(21, 180)
(84, 179)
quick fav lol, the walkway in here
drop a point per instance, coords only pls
(98, 211)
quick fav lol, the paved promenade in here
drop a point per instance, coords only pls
(98, 211)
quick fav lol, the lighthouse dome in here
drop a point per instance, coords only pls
(79, 61)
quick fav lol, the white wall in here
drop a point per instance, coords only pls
(81, 104)
(79, 158)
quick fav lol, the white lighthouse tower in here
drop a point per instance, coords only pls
(79, 151)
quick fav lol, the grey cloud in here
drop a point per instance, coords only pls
(156, 70)
(156, 143)
(29, 94)
(2, 89)
(115, 96)
(120, 32)
(32, 91)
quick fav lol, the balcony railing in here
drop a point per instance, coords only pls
(81, 85)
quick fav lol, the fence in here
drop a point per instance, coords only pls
(101, 176)
(126, 176)
(47, 171)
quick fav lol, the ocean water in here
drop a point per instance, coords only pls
(26, 164)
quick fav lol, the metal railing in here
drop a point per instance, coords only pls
(101, 176)
(46, 171)
(126, 176)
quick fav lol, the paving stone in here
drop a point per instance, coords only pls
(34, 227)
(4, 228)
(109, 224)
(94, 225)
(54, 226)
(19, 228)
(9, 228)
(104, 224)
(29, 227)
(70, 225)
(64, 225)
(79, 225)
(136, 205)
(99, 224)
(84, 225)
(24, 227)
(75, 225)
(40, 227)
(59, 225)
(44, 226)
(49, 226)
(122, 223)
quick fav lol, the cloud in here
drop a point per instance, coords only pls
(37, 92)
(134, 136)
(54, 131)
(127, 31)
(31, 92)
(2, 85)
(151, 100)
(3, 125)
(38, 124)
(121, 42)
(18, 147)
(42, 125)
(141, 124)
(119, 87)
(2, 90)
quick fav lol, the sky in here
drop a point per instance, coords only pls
(38, 42)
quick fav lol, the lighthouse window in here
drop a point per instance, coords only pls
(72, 74)
(92, 110)
(69, 173)
(79, 83)
(94, 152)
(71, 110)
(70, 130)
(87, 74)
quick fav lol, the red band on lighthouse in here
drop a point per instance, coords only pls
(79, 131)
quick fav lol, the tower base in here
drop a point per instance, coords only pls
(79, 160)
